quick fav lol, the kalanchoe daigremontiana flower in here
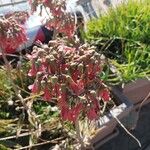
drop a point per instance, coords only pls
(20, 16)
(70, 77)
(11, 34)
(58, 18)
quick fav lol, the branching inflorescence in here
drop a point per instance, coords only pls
(12, 34)
(70, 77)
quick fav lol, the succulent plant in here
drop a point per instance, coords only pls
(11, 33)
(70, 77)
(59, 19)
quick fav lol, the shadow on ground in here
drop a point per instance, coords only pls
(142, 132)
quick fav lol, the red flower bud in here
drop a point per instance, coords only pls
(91, 114)
(34, 87)
(32, 71)
(67, 48)
(64, 113)
(42, 68)
(52, 67)
(91, 71)
(105, 95)
(75, 75)
(47, 94)
(74, 112)
(64, 67)
(62, 103)
(78, 87)
(97, 68)
(62, 100)
(93, 98)
(33, 56)
(56, 90)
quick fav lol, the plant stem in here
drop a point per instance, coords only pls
(104, 107)
(26, 105)
(8, 70)
(80, 138)
(40, 144)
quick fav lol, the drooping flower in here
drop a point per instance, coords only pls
(12, 34)
(33, 71)
(94, 101)
(74, 112)
(64, 113)
(34, 88)
(63, 105)
(62, 99)
(64, 67)
(42, 68)
(91, 114)
(105, 95)
(90, 71)
(75, 75)
(78, 87)
(47, 94)
(56, 90)
(73, 79)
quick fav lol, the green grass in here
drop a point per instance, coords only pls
(123, 36)
(5, 86)
(135, 63)
(129, 20)
(6, 94)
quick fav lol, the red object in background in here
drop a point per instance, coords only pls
(39, 37)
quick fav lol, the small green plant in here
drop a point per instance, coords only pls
(122, 34)
(6, 94)
(5, 86)
(130, 20)
(2, 147)
(135, 63)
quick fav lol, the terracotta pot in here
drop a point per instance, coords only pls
(107, 123)
(137, 91)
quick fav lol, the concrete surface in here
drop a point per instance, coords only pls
(95, 8)
(142, 132)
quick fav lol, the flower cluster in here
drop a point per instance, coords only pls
(70, 77)
(59, 19)
(11, 34)
(20, 16)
